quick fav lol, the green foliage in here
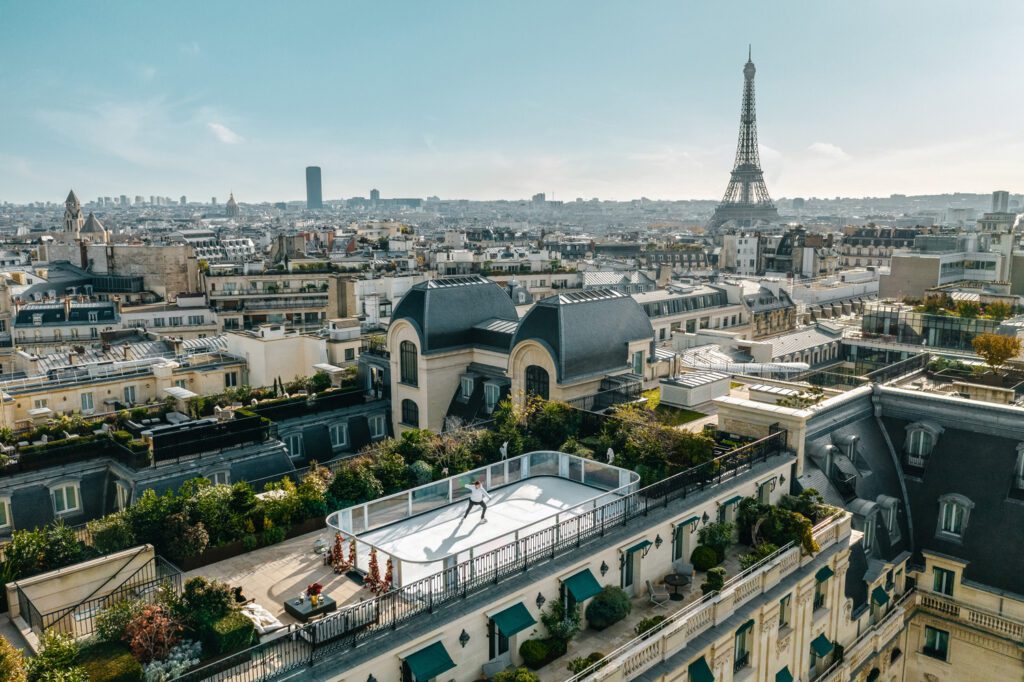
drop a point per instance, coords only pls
(419, 473)
(534, 653)
(112, 622)
(581, 663)
(312, 492)
(968, 309)
(56, 662)
(549, 422)
(229, 633)
(389, 468)
(999, 310)
(809, 503)
(761, 551)
(203, 602)
(210, 505)
(561, 624)
(184, 540)
(319, 382)
(43, 549)
(250, 542)
(152, 633)
(609, 606)
(517, 675)
(996, 349)
(12, 662)
(355, 482)
(715, 580)
(717, 536)
(703, 557)
(646, 625)
(111, 533)
(282, 505)
(109, 662)
(272, 534)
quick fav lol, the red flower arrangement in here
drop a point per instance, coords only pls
(314, 589)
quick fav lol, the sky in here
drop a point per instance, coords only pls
(502, 99)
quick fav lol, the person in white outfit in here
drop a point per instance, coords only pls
(477, 496)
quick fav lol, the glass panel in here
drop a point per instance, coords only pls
(387, 510)
(515, 470)
(358, 520)
(459, 483)
(600, 476)
(497, 475)
(430, 497)
(576, 469)
(544, 464)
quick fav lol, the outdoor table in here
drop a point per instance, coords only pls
(304, 610)
(675, 581)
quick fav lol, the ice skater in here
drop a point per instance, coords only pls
(477, 496)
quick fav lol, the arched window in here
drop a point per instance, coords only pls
(407, 361)
(954, 510)
(537, 382)
(410, 413)
(919, 442)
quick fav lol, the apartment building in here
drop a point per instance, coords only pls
(188, 317)
(44, 327)
(298, 299)
(688, 308)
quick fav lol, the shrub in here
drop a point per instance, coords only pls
(703, 558)
(152, 634)
(111, 533)
(717, 536)
(762, 551)
(355, 482)
(272, 535)
(581, 663)
(185, 540)
(715, 581)
(56, 662)
(561, 625)
(182, 657)
(535, 653)
(419, 473)
(609, 606)
(647, 624)
(250, 542)
(517, 675)
(203, 602)
(110, 662)
(43, 549)
(228, 634)
(112, 622)
(283, 506)
(12, 662)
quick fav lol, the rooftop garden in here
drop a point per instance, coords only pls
(944, 305)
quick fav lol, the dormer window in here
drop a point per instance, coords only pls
(890, 508)
(921, 439)
(954, 511)
(1018, 470)
(467, 386)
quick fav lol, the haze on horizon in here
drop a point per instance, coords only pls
(487, 101)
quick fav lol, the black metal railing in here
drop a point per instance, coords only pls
(355, 624)
(898, 369)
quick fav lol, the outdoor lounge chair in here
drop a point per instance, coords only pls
(659, 594)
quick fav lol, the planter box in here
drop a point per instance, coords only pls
(232, 549)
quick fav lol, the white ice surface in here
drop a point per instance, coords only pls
(527, 506)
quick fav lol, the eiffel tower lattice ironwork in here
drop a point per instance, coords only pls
(746, 199)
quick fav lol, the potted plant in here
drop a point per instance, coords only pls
(313, 591)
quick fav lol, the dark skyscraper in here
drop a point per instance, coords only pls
(314, 190)
(375, 195)
(746, 199)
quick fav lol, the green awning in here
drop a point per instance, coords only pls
(700, 672)
(583, 585)
(732, 500)
(746, 626)
(821, 646)
(430, 662)
(643, 544)
(823, 574)
(880, 596)
(784, 675)
(514, 619)
(692, 519)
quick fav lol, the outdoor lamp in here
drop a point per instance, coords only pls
(464, 638)
(604, 568)
(782, 479)
(540, 600)
(371, 678)
(705, 518)
(658, 541)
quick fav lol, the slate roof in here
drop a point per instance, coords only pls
(586, 332)
(445, 311)
(55, 313)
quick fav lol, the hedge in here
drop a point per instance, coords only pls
(228, 634)
(110, 662)
(609, 606)
(537, 653)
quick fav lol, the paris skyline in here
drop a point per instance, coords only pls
(501, 102)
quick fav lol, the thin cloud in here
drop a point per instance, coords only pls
(829, 150)
(190, 49)
(224, 134)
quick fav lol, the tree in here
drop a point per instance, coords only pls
(56, 662)
(355, 482)
(968, 309)
(996, 349)
(999, 310)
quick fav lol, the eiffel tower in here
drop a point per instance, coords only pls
(746, 201)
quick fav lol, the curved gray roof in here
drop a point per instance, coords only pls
(587, 332)
(445, 311)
